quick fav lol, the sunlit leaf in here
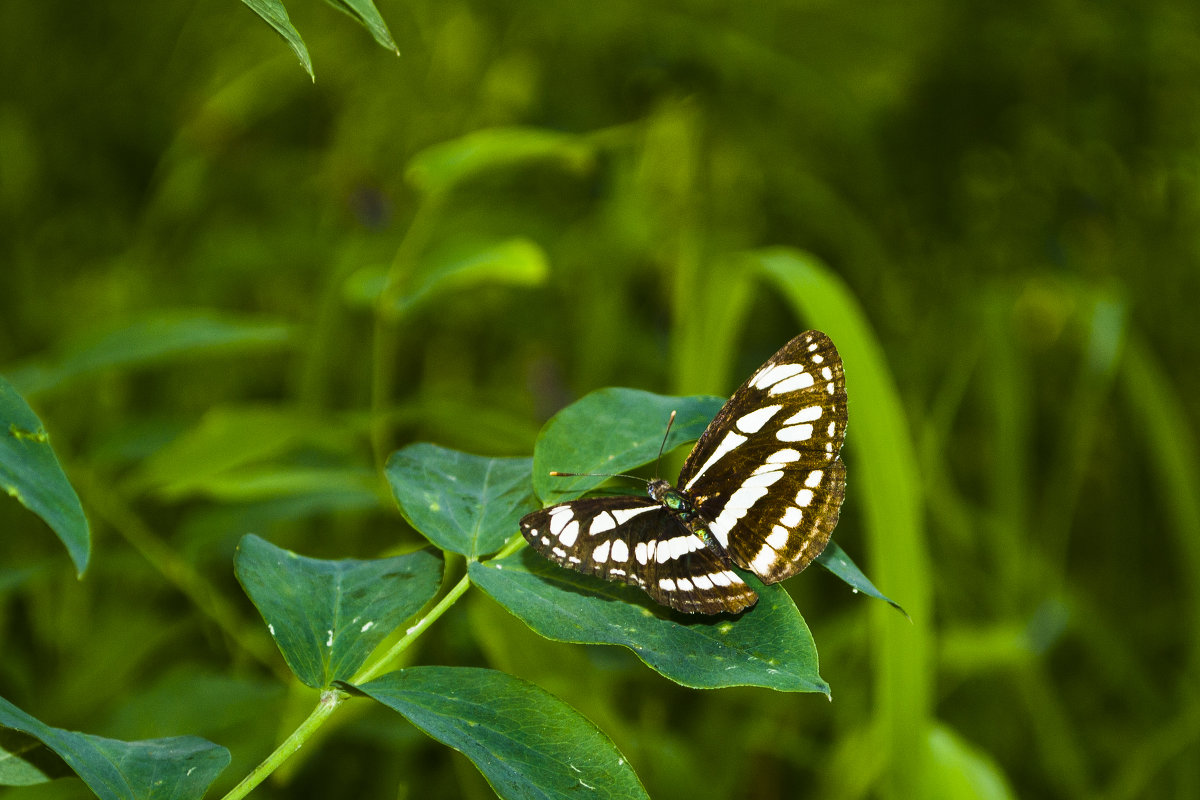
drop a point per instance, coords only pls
(769, 645)
(526, 742)
(439, 167)
(962, 771)
(511, 262)
(327, 616)
(177, 768)
(461, 502)
(30, 472)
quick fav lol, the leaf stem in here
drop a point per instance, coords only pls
(330, 700)
(372, 671)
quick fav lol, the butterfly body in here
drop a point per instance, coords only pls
(761, 490)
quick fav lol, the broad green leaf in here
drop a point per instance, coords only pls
(769, 645)
(611, 431)
(275, 15)
(525, 741)
(177, 768)
(30, 472)
(440, 167)
(154, 339)
(365, 12)
(327, 616)
(463, 503)
(834, 559)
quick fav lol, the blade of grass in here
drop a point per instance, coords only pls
(884, 478)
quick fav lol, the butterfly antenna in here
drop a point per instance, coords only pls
(557, 474)
(670, 422)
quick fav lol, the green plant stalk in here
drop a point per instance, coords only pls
(371, 671)
(331, 699)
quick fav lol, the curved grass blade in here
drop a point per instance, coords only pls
(887, 483)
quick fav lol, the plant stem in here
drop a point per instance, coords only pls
(371, 671)
(330, 700)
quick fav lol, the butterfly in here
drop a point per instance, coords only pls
(761, 490)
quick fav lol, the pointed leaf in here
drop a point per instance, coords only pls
(30, 472)
(150, 340)
(327, 616)
(525, 741)
(176, 768)
(365, 12)
(463, 503)
(834, 559)
(227, 437)
(611, 431)
(769, 645)
(275, 15)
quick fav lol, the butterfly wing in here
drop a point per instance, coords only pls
(767, 474)
(638, 541)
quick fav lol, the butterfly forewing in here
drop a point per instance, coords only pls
(767, 474)
(637, 541)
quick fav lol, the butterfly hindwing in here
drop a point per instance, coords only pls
(767, 474)
(637, 541)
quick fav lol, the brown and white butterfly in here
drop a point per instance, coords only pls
(761, 490)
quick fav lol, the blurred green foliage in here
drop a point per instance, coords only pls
(229, 293)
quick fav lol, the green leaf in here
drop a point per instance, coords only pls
(512, 262)
(177, 768)
(30, 472)
(611, 431)
(327, 616)
(769, 645)
(227, 438)
(525, 741)
(275, 15)
(463, 503)
(834, 559)
(962, 771)
(365, 12)
(439, 168)
(154, 339)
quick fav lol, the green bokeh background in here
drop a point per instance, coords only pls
(193, 235)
